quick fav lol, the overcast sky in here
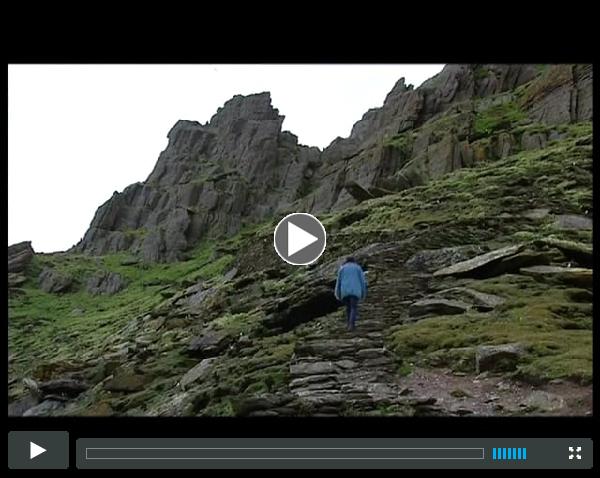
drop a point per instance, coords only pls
(77, 133)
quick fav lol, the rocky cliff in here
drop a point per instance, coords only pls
(468, 201)
(241, 168)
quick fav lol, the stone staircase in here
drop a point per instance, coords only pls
(336, 372)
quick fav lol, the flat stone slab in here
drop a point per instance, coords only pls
(479, 262)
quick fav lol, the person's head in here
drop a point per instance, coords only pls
(350, 259)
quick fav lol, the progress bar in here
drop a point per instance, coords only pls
(348, 453)
(284, 453)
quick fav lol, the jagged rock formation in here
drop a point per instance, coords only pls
(210, 179)
(241, 168)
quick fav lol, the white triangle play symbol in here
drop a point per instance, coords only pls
(35, 450)
(298, 239)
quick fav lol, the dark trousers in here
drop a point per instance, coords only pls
(351, 311)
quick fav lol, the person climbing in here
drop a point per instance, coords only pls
(351, 288)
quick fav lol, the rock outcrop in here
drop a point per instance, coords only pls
(19, 257)
(241, 168)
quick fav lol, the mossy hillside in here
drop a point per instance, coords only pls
(74, 325)
(555, 329)
(558, 177)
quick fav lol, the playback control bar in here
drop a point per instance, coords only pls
(350, 453)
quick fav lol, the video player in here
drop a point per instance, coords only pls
(402, 281)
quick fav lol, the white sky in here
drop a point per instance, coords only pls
(77, 133)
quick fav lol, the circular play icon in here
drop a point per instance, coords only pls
(299, 239)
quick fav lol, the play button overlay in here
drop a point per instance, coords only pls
(35, 450)
(41, 450)
(299, 239)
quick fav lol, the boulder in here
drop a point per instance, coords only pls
(54, 282)
(208, 344)
(198, 373)
(498, 358)
(19, 256)
(577, 276)
(108, 283)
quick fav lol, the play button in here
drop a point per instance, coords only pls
(35, 450)
(299, 239)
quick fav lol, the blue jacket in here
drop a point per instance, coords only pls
(351, 281)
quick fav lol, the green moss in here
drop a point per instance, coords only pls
(555, 330)
(497, 118)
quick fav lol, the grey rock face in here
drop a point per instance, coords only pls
(19, 256)
(241, 168)
(53, 281)
(107, 283)
(210, 180)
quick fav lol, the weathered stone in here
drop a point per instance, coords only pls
(498, 358)
(105, 283)
(19, 256)
(480, 264)
(573, 222)
(55, 282)
(209, 344)
(198, 373)
(577, 276)
(437, 307)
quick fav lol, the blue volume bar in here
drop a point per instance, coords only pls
(524, 453)
(504, 453)
(493, 453)
(519, 453)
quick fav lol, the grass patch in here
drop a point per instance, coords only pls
(555, 330)
(497, 118)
